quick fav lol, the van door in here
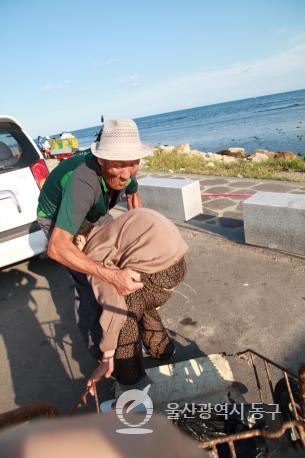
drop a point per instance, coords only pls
(18, 189)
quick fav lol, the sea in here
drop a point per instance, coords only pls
(275, 122)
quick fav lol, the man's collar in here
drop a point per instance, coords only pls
(103, 183)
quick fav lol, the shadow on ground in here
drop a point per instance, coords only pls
(230, 228)
(40, 340)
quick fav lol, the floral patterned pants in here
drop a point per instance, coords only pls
(143, 324)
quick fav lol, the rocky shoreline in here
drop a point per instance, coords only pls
(235, 162)
(260, 163)
(231, 154)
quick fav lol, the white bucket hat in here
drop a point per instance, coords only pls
(120, 141)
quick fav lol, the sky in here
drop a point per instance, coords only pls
(64, 63)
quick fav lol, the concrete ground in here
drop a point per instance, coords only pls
(234, 297)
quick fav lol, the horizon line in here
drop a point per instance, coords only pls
(192, 108)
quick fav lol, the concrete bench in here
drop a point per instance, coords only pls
(174, 198)
(276, 220)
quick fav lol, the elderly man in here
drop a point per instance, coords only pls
(82, 189)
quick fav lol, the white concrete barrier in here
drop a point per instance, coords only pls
(175, 198)
(276, 220)
(205, 379)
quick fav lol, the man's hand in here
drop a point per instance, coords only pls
(62, 249)
(126, 281)
(133, 201)
(80, 241)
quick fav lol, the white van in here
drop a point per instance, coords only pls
(22, 174)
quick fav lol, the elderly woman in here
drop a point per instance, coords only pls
(147, 242)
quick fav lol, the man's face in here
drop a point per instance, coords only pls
(116, 173)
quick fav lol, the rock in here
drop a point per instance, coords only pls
(238, 149)
(211, 165)
(194, 152)
(258, 157)
(165, 148)
(233, 152)
(204, 155)
(229, 159)
(269, 154)
(286, 155)
(213, 157)
(185, 148)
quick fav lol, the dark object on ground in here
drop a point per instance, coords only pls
(26, 413)
(282, 398)
(216, 427)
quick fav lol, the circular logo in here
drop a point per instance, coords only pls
(138, 401)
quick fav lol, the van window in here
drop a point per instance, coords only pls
(16, 151)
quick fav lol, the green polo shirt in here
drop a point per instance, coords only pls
(75, 190)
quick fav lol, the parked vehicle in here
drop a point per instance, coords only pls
(63, 147)
(22, 174)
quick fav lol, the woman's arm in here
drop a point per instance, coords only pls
(111, 321)
(104, 369)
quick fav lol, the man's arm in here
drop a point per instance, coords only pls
(62, 250)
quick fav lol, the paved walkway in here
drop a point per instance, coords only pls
(224, 215)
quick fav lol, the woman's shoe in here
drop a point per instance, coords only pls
(169, 352)
(119, 388)
(107, 406)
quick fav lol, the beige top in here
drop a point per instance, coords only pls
(140, 239)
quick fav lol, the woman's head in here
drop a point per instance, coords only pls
(140, 239)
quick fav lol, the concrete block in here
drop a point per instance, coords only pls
(174, 198)
(205, 379)
(276, 220)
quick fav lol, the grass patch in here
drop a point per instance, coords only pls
(270, 169)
